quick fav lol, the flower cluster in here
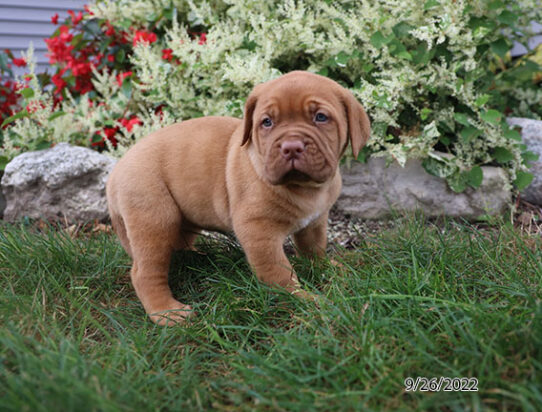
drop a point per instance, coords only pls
(9, 96)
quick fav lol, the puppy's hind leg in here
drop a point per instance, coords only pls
(120, 229)
(187, 237)
(152, 241)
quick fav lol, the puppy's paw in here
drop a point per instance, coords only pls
(177, 313)
(337, 264)
(303, 294)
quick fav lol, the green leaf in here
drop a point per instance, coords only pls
(397, 48)
(342, 59)
(402, 29)
(429, 4)
(507, 17)
(481, 25)
(378, 39)
(125, 23)
(92, 27)
(420, 55)
(3, 162)
(529, 156)
(462, 118)
(56, 115)
(96, 138)
(437, 168)
(323, 72)
(170, 12)
(497, 4)
(502, 155)
(120, 56)
(469, 133)
(368, 67)
(27, 93)
(512, 134)
(42, 145)
(20, 115)
(457, 182)
(249, 44)
(523, 179)
(425, 112)
(500, 47)
(444, 140)
(482, 100)
(363, 155)
(4, 65)
(492, 116)
(405, 55)
(475, 177)
(127, 87)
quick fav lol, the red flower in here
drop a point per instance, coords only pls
(58, 81)
(19, 62)
(87, 10)
(110, 134)
(167, 54)
(9, 99)
(79, 68)
(83, 84)
(65, 35)
(111, 58)
(144, 36)
(59, 49)
(76, 18)
(123, 37)
(202, 38)
(130, 123)
(54, 19)
(110, 29)
(122, 76)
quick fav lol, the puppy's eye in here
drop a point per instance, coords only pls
(320, 117)
(267, 122)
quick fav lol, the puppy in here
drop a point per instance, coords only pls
(272, 174)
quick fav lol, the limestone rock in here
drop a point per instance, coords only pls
(374, 191)
(64, 182)
(531, 133)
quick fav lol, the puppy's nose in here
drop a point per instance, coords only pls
(292, 149)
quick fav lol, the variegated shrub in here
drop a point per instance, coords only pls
(435, 77)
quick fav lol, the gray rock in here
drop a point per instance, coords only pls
(64, 182)
(531, 133)
(2, 198)
(374, 191)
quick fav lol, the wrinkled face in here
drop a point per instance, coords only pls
(299, 128)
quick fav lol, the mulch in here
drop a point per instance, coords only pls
(344, 231)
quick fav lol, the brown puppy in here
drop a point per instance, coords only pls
(273, 174)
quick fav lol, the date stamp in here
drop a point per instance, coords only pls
(441, 383)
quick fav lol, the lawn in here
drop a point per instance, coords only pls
(418, 300)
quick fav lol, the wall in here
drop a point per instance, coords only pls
(25, 21)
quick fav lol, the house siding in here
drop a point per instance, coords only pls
(29, 21)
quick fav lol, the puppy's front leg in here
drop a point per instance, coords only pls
(311, 241)
(263, 246)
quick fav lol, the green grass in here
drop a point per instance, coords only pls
(415, 301)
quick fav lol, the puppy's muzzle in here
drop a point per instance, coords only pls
(292, 149)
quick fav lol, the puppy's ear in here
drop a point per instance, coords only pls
(359, 125)
(250, 105)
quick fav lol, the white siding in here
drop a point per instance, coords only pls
(25, 21)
